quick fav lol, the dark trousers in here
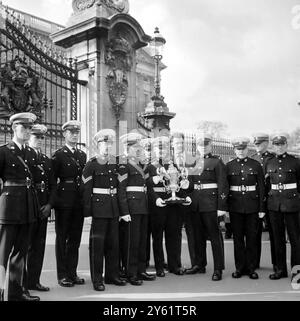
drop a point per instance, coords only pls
(68, 227)
(244, 228)
(36, 252)
(259, 241)
(290, 221)
(104, 243)
(14, 242)
(149, 234)
(196, 251)
(133, 244)
(173, 236)
(206, 224)
(158, 226)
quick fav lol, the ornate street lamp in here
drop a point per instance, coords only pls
(156, 48)
(157, 112)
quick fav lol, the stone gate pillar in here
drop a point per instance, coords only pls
(104, 38)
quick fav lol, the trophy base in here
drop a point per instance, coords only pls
(178, 200)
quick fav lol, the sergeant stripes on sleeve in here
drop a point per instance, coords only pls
(122, 178)
(86, 180)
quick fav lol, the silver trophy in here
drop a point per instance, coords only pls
(172, 180)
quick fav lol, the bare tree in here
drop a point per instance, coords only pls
(215, 128)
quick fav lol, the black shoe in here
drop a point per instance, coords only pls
(1, 295)
(39, 287)
(146, 277)
(100, 287)
(66, 283)
(237, 274)
(202, 270)
(135, 281)
(180, 271)
(193, 270)
(217, 276)
(26, 297)
(116, 281)
(77, 280)
(160, 273)
(278, 275)
(253, 275)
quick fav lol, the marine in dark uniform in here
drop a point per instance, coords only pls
(100, 178)
(45, 185)
(160, 217)
(68, 164)
(246, 206)
(283, 179)
(133, 202)
(147, 145)
(209, 203)
(262, 155)
(172, 215)
(18, 207)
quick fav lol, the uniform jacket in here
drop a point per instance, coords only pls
(246, 172)
(44, 180)
(99, 173)
(262, 158)
(68, 169)
(131, 173)
(284, 169)
(18, 204)
(211, 170)
(154, 195)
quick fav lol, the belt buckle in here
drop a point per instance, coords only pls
(244, 188)
(78, 180)
(199, 187)
(28, 182)
(111, 192)
(280, 187)
(43, 186)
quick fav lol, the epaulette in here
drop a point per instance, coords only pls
(231, 161)
(5, 145)
(216, 157)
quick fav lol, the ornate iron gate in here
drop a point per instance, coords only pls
(37, 77)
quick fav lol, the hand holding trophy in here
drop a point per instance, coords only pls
(174, 180)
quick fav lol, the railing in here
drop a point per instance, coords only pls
(39, 24)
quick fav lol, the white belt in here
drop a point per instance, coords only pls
(141, 189)
(159, 189)
(105, 191)
(243, 188)
(281, 187)
(205, 186)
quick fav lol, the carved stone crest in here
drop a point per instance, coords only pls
(119, 58)
(80, 5)
(118, 6)
(21, 89)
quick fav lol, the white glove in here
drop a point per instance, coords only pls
(261, 214)
(222, 213)
(188, 201)
(184, 184)
(126, 218)
(160, 203)
(88, 220)
(156, 179)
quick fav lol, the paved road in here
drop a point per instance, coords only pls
(171, 288)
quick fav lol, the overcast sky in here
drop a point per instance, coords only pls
(235, 61)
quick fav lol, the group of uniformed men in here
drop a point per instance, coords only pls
(126, 198)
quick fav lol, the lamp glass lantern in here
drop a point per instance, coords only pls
(157, 45)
